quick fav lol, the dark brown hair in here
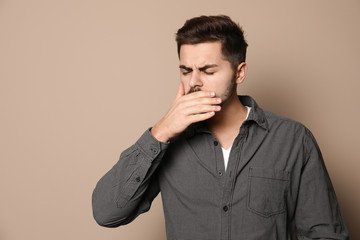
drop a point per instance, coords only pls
(212, 29)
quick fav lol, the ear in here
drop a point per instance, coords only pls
(241, 71)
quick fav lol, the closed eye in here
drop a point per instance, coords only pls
(185, 72)
(208, 69)
(209, 73)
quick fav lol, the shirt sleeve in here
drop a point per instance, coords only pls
(129, 188)
(318, 215)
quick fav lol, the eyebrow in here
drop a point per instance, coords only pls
(185, 68)
(204, 68)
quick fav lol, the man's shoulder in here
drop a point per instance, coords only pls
(272, 120)
(274, 117)
(280, 122)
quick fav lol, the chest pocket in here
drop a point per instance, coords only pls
(267, 189)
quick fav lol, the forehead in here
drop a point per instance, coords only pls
(201, 54)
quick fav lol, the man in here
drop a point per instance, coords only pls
(226, 168)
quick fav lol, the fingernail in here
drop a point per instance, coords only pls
(218, 108)
(218, 99)
(212, 94)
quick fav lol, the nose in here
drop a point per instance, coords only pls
(195, 80)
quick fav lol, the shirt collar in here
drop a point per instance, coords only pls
(256, 115)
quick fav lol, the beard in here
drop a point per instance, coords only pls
(231, 90)
(193, 89)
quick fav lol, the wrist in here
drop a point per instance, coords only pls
(159, 135)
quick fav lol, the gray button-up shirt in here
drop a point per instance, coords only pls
(275, 186)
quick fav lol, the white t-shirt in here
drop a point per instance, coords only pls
(226, 152)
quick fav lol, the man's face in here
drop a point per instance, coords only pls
(203, 67)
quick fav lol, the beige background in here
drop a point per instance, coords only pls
(81, 80)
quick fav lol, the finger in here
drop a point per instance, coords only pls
(201, 117)
(200, 94)
(181, 91)
(199, 109)
(206, 101)
(188, 103)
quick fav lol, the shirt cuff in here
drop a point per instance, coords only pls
(150, 146)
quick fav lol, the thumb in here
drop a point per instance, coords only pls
(181, 91)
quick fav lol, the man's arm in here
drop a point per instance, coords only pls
(128, 189)
(318, 214)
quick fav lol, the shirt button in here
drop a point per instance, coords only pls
(154, 150)
(220, 173)
(137, 179)
(216, 143)
(225, 208)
